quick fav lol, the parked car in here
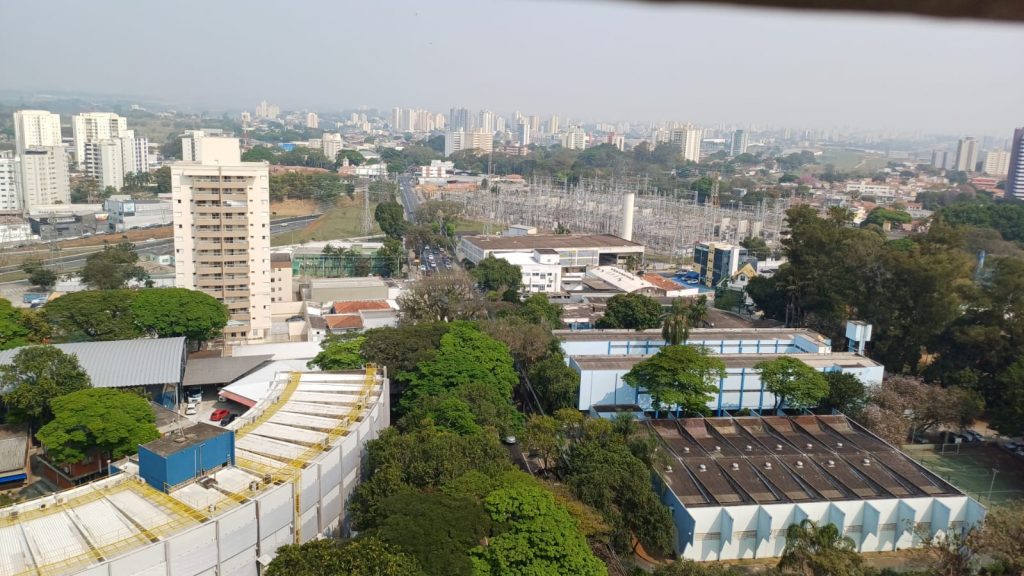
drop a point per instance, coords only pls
(219, 415)
(228, 419)
(509, 440)
(191, 409)
(193, 395)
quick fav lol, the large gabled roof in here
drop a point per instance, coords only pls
(125, 363)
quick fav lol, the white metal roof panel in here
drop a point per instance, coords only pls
(14, 554)
(315, 409)
(53, 538)
(139, 509)
(269, 447)
(125, 363)
(300, 396)
(102, 523)
(290, 434)
(304, 420)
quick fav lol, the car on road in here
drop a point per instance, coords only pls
(228, 419)
(219, 415)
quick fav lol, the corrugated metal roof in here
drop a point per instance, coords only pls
(12, 455)
(224, 370)
(125, 363)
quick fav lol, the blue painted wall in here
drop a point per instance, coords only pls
(685, 523)
(189, 462)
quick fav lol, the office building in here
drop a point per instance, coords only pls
(553, 125)
(36, 128)
(997, 163)
(481, 142)
(43, 175)
(125, 213)
(460, 120)
(10, 200)
(967, 155)
(331, 144)
(222, 233)
(486, 121)
(575, 139)
(1015, 174)
(312, 120)
(739, 143)
(688, 139)
(717, 261)
(94, 127)
(523, 134)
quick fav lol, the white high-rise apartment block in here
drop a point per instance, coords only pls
(553, 125)
(10, 200)
(264, 110)
(36, 128)
(222, 233)
(688, 138)
(134, 153)
(523, 134)
(575, 138)
(482, 142)
(486, 121)
(107, 160)
(43, 175)
(967, 155)
(997, 163)
(312, 120)
(739, 143)
(331, 144)
(93, 127)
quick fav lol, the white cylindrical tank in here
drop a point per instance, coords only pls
(627, 216)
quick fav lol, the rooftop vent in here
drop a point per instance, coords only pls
(686, 449)
(809, 446)
(867, 462)
(831, 463)
(799, 464)
(839, 444)
(668, 468)
(718, 448)
(735, 466)
(778, 447)
(749, 447)
(702, 468)
(767, 465)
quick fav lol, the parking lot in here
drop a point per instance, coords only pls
(209, 404)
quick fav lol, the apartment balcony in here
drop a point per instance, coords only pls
(231, 233)
(221, 196)
(222, 245)
(240, 317)
(211, 211)
(236, 292)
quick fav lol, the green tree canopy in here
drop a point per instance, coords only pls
(756, 247)
(556, 385)
(340, 354)
(17, 327)
(39, 275)
(355, 158)
(112, 267)
(328, 557)
(819, 550)
(535, 535)
(92, 315)
(401, 349)
(537, 309)
(792, 382)
(846, 393)
(35, 377)
(631, 312)
(498, 275)
(107, 420)
(682, 376)
(390, 216)
(880, 216)
(675, 328)
(168, 312)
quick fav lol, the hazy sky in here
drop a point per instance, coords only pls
(593, 60)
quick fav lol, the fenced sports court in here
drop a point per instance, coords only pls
(989, 474)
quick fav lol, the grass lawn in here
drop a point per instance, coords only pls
(344, 220)
(286, 208)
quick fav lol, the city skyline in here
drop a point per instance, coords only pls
(629, 62)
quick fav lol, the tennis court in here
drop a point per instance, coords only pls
(971, 470)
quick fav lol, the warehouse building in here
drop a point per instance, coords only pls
(297, 457)
(575, 252)
(734, 485)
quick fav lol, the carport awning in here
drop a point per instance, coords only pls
(227, 394)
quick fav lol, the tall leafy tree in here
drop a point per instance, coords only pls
(168, 312)
(556, 385)
(846, 393)
(340, 354)
(535, 535)
(18, 327)
(683, 376)
(819, 550)
(39, 275)
(631, 312)
(675, 328)
(390, 216)
(359, 557)
(105, 420)
(792, 382)
(499, 275)
(92, 315)
(443, 297)
(113, 267)
(35, 377)
(756, 247)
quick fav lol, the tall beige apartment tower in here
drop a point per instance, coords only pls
(222, 232)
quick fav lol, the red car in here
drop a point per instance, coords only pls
(218, 415)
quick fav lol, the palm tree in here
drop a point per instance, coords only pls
(675, 328)
(699, 311)
(818, 551)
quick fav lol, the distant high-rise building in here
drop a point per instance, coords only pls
(331, 144)
(739, 143)
(246, 118)
(10, 200)
(396, 119)
(36, 128)
(460, 120)
(967, 155)
(939, 159)
(617, 140)
(575, 138)
(534, 122)
(688, 138)
(523, 134)
(1015, 174)
(268, 111)
(134, 153)
(553, 125)
(222, 233)
(486, 121)
(312, 120)
(106, 162)
(997, 163)
(43, 174)
(94, 127)
(457, 141)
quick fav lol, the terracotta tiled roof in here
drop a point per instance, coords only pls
(355, 306)
(344, 322)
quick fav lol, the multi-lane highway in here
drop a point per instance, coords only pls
(410, 198)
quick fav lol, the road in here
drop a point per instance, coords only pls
(410, 199)
(159, 247)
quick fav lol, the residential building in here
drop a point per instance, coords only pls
(312, 120)
(717, 261)
(105, 162)
(10, 200)
(1015, 175)
(43, 177)
(553, 125)
(222, 232)
(437, 169)
(997, 163)
(617, 140)
(485, 121)
(482, 142)
(94, 127)
(281, 277)
(331, 143)
(134, 153)
(267, 111)
(460, 120)
(523, 134)
(33, 128)
(939, 159)
(575, 138)
(967, 155)
(688, 139)
(739, 143)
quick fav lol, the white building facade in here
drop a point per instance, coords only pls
(94, 127)
(43, 175)
(688, 139)
(331, 144)
(10, 199)
(36, 128)
(997, 163)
